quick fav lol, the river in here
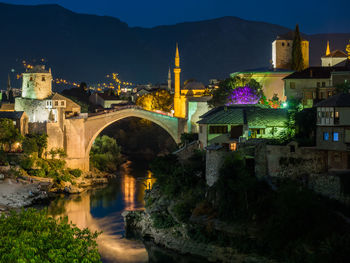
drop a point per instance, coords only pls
(100, 209)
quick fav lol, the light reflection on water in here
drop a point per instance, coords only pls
(100, 210)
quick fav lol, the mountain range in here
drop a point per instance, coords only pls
(81, 47)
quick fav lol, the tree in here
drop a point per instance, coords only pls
(29, 145)
(9, 134)
(157, 100)
(105, 154)
(33, 236)
(297, 55)
(343, 88)
(221, 95)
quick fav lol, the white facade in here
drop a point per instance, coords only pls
(332, 61)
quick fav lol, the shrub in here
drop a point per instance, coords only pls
(32, 236)
(162, 220)
(75, 172)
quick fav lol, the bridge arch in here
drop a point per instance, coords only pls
(94, 125)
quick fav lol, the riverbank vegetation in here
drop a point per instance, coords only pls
(32, 236)
(282, 221)
(105, 154)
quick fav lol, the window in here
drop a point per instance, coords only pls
(327, 114)
(332, 114)
(56, 103)
(292, 85)
(337, 114)
(323, 84)
(318, 84)
(323, 114)
(325, 136)
(62, 103)
(43, 78)
(336, 117)
(282, 44)
(314, 94)
(335, 136)
(218, 129)
(31, 79)
(288, 44)
(329, 93)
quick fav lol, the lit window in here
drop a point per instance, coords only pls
(233, 146)
(337, 114)
(332, 114)
(325, 136)
(335, 136)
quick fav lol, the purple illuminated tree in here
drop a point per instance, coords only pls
(243, 95)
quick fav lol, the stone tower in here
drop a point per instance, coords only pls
(169, 81)
(37, 83)
(282, 51)
(179, 101)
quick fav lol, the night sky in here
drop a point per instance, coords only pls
(321, 16)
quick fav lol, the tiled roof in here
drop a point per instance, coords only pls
(339, 100)
(336, 54)
(316, 72)
(194, 85)
(13, 115)
(254, 116)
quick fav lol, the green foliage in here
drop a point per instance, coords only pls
(29, 145)
(343, 88)
(3, 158)
(105, 154)
(32, 236)
(9, 134)
(162, 220)
(61, 153)
(75, 172)
(175, 178)
(239, 193)
(158, 100)
(297, 55)
(221, 94)
(188, 138)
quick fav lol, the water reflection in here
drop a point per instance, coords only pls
(100, 210)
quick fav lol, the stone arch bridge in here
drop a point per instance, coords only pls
(77, 134)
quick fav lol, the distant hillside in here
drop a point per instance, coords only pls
(86, 47)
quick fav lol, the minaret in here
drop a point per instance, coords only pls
(328, 51)
(8, 83)
(348, 50)
(178, 112)
(169, 80)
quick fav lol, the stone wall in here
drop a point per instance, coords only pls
(35, 109)
(293, 161)
(214, 161)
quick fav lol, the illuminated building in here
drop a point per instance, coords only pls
(105, 100)
(333, 58)
(333, 130)
(38, 101)
(282, 51)
(227, 125)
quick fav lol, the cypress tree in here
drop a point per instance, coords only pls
(297, 55)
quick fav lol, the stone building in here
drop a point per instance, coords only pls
(271, 80)
(333, 58)
(282, 51)
(333, 130)
(105, 100)
(39, 102)
(316, 83)
(19, 118)
(230, 125)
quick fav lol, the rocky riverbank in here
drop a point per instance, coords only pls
(24, 190)
(177, 238)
